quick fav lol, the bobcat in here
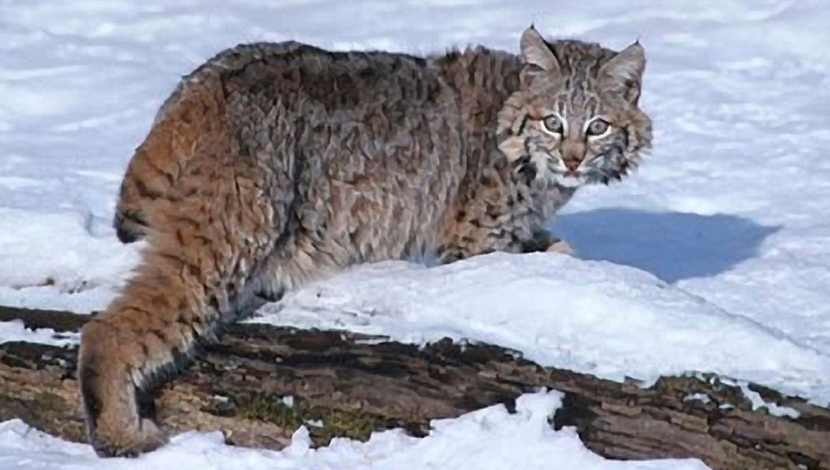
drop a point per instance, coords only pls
(274, 164)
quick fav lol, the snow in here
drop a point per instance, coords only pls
(57, 260)
(606, 319)
(16, 331)
(702, 397)
(773, 408)
(715, 256)
(490, 438)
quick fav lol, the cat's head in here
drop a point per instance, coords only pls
(575, 116)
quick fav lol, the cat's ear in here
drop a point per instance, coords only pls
(625, 71)
(536, 55)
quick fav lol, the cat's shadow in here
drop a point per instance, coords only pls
(671, 245)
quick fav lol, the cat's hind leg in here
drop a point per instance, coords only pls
(200, 271)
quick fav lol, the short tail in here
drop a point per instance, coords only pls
(142, 185)
(129, 225)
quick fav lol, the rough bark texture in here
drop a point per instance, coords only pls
(350, 385)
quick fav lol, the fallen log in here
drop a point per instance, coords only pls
(260, 383)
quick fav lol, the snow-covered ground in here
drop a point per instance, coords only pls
(488, 439)
(715, 256)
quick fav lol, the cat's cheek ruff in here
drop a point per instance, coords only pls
(542, 163)
(541, 167)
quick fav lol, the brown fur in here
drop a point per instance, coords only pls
(274, 164)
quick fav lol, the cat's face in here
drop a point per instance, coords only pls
(575, 117)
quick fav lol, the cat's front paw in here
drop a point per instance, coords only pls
(561, 246)
(546, 241)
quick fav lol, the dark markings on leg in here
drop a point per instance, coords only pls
(145, 404)
(92, 402)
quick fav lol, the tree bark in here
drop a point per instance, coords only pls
(346, 384)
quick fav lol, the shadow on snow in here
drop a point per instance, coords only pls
(671, 245)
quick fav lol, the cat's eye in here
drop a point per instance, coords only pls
(598, 127)
(553, 124)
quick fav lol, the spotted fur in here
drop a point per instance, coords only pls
(275, 164)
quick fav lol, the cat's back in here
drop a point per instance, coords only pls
(375, 137)
(360, 115)
(337, 80)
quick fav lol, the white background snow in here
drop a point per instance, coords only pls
(715, 256)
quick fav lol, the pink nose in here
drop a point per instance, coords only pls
(572, 163)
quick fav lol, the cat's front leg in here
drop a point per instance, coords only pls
(477, 242)
(561, 246)
(546, 241)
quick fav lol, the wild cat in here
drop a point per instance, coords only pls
(274, 164)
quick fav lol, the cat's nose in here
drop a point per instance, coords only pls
(571, 163)
(572, 154)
